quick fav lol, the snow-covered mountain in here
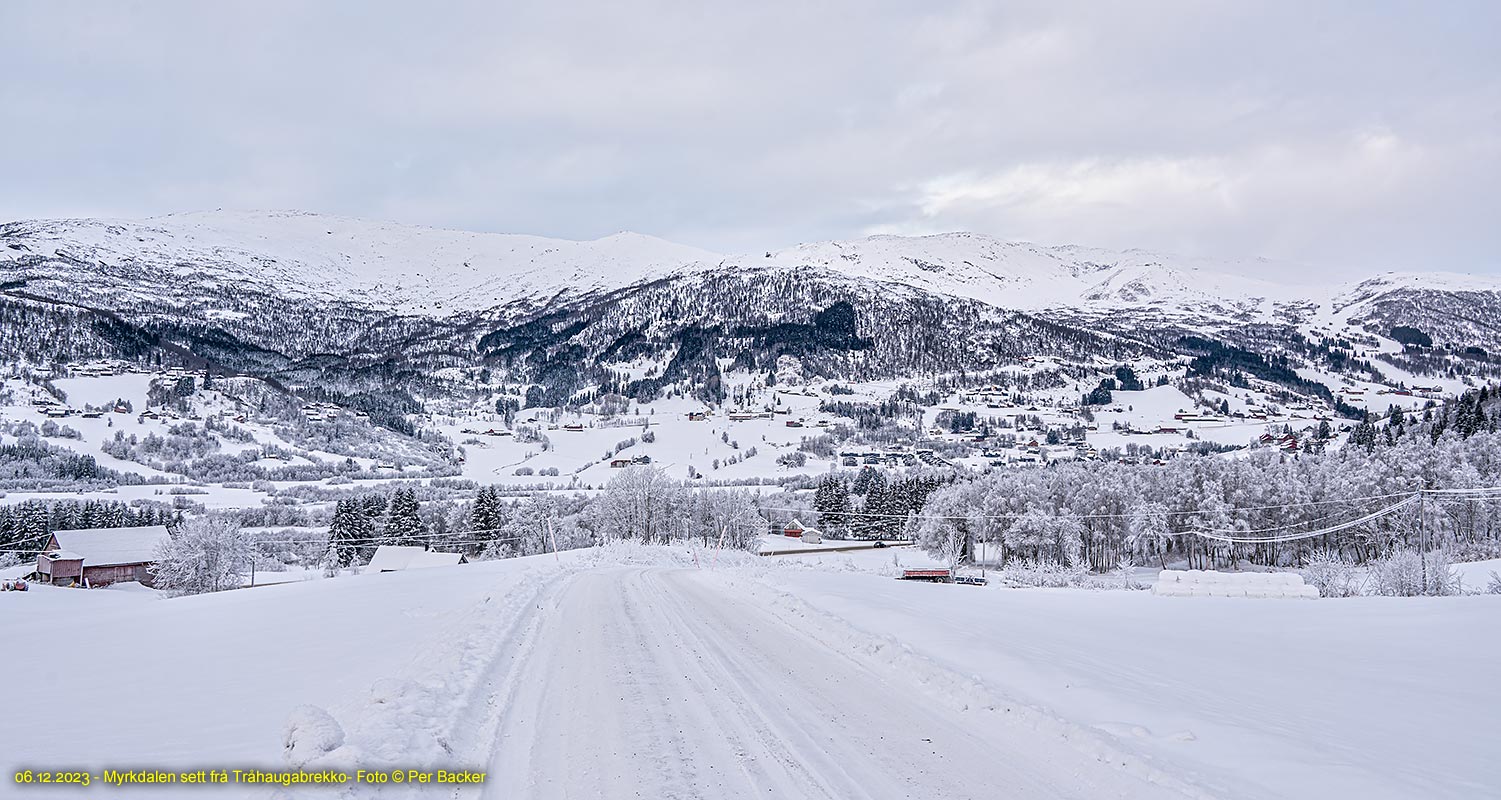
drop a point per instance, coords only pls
(405, 269)
(312, 299)
(1031, 277)
(410, 269)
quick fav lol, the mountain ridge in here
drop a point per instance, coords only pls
(410, 269)
(316, 301)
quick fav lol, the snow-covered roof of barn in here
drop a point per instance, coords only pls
(389, 557)
(102, 547)
(62, 555)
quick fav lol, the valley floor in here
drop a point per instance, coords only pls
(632, 671)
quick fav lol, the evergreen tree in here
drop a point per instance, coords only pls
(487, 516)
(487, 513)
(832, 502)
(345, 532)
(872, 521)
(403, 519)
(864, 479)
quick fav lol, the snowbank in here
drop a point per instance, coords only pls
(1210, 583)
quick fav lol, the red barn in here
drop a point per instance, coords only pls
(101, 556)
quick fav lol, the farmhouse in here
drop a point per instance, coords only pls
(394, 558)
(101, 556)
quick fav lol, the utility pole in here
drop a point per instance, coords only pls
(1423, 537)
(554, 539)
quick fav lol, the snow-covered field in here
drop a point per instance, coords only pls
(1365, 697)
(118, 678)
(669, 673)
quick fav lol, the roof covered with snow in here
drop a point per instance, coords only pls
(105, 546)
(391, 557)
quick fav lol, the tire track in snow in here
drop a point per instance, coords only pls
(648, 683)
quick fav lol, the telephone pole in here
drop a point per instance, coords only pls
(1423, 536)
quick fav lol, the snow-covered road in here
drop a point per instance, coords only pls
(662, 683)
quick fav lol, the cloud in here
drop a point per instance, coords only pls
(1331, 133)
(1276, 195)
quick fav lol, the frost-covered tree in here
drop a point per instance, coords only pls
(206, 554)
(641, 503)
(330, 561)
(1149, 531)
(725, 518)
(1332, 575)
(943, 538)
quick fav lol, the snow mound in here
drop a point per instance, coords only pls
(311, 733)
(1210, 583)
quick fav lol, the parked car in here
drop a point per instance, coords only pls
(879, 545)
(971, 580)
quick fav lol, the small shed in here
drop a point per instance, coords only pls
(101, 556)
(59, 567)
(395, 558)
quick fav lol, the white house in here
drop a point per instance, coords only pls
(394, 558)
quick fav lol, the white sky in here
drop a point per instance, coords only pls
(1358, 135)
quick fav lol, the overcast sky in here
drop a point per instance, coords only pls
(1358, 135)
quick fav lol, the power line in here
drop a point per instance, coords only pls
(1170, 512)
(1371, 517)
